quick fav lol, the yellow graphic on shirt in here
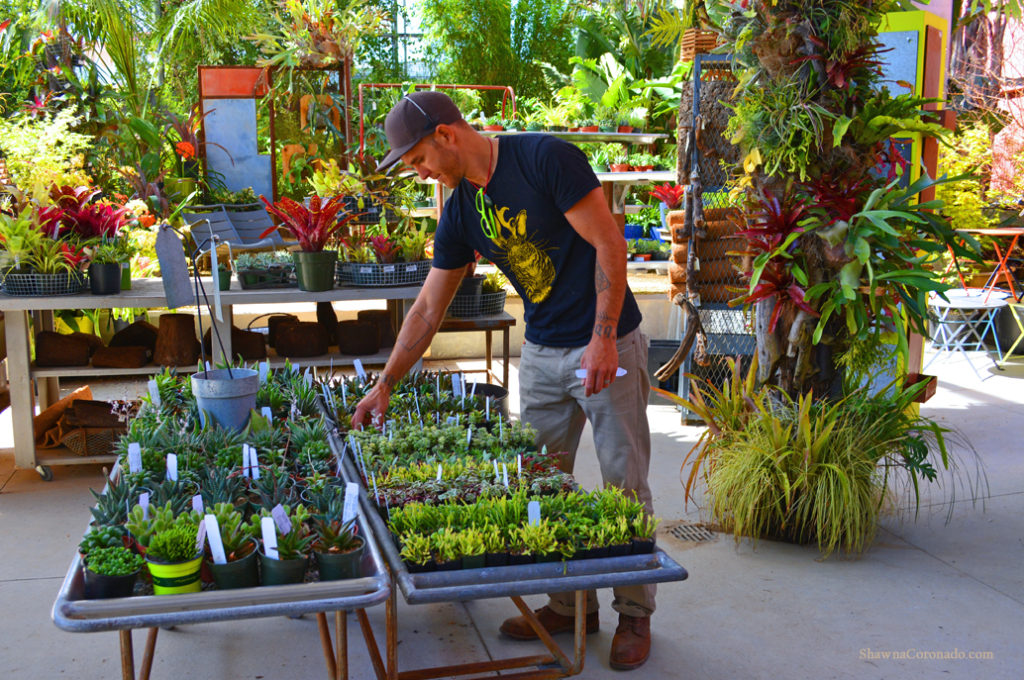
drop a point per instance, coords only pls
(528, 260)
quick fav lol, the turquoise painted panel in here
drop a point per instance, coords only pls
(232, 124)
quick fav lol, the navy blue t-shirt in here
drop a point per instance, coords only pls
(537, 179)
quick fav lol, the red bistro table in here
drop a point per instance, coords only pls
(1012, 233)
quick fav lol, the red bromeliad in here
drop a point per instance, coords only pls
(74, 256)
(49, 221)
(69, 197)
(97, 220)
(312, 226)
(774, 220)
(776, 281)
(669, 194)
(384, 248)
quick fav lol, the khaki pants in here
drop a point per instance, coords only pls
(553, 401)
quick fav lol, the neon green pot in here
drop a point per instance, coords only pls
(175, 577)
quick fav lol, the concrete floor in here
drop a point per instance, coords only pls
(776, 610)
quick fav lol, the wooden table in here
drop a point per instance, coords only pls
(497, 322)
(145, 293)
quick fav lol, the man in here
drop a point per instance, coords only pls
(532, 205)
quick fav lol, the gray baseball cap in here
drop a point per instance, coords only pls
(414, 117)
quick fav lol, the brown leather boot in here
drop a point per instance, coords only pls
(632, 643)
(517, 628)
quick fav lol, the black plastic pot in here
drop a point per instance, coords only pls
(450, 565)
(642, 547)
(474, 561)
(496, 559)
(519, 558)
(102, 586)
(238, 574)
(338, 566)
(282, 572)
(619, 550)
(105, 278)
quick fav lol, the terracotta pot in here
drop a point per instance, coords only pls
(625, 129)
(618, 167)
(494, 128)
(589, 128)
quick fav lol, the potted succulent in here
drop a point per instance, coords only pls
(105, 267)
(313, 227)
(492, 293)
(174, 558)
(338, 547)
(239, 571)
(617, 158)
(271, 269)
(293, 548)
(416, 553)
(111, 572)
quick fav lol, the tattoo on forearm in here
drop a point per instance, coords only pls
(388, 380)
(601, 282)
(606, 325)
(420, 331)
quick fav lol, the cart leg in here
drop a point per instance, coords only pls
(544, 635)
(341, 648)
(325, 644)
(127, 656)
(147, 656)
(371, 644)
(488, 356)
(581, 632)
(391, 634)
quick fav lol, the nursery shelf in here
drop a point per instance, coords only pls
(628, 137)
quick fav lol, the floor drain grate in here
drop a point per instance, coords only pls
(694, 533)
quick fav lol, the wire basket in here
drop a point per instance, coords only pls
(485, 304)
(34, 284)
(374, 275)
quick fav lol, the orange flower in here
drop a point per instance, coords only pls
(146, 221)
(185, 150)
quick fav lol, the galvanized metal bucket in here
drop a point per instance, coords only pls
(226, 397)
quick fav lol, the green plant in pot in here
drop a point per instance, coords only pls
(111, 572)
(239, 568)
(175, 559)
(338, 547)
(293, 547)
(313, 227)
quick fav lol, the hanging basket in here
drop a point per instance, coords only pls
(35, 284)
(696, 41)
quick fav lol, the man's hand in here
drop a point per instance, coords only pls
(601, 360)
(374, 404)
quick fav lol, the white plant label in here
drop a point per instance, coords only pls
(456, 385)
(269, 537)
(134, 457)
(245, 460)
(216, 288)
(440, 472)
(208, 367)
(197, 503)
(360, 371)
(348, 510)
(451, 420)
(213, 536)
(144, 503)
(200, 537)
(469, 434)
(280, 515)
(154, 393)
(307, 377)
(267, 413)
(254, 463)
(373, 478)
(533, 513)
(495, 464)
(519, 464)
(581, 373)
(487, 401)
(172, 467)
(295, 368)
(264, 370)
(344, 394)
(504, 474)
(472, 392)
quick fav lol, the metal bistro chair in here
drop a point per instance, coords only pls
(250, 220)
(963, 320)
(216, 222)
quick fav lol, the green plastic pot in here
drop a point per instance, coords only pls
(315, 270)
(178, 188)
(282, 572)
(238, 574)
(338, 566)
(126, 276)
(172, 578)
(223, 279)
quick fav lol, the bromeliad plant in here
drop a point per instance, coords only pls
(669, 194)
(313, 226)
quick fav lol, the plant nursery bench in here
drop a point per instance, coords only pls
(145, 293)
(72, 613)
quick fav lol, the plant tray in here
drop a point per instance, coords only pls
(374, 275)
(33, 284)
(256, 279)
(468, 306)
